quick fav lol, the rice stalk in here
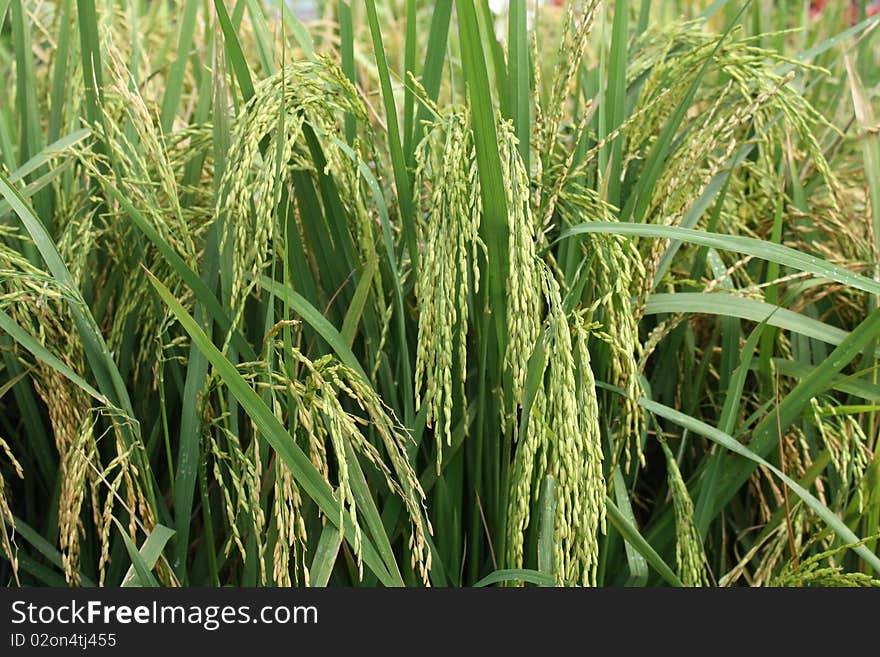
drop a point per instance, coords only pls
(563, 441)
(689, 555)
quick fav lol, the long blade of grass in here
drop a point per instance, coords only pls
(398, 162)
(632, 536)
(138, 563)
(637, 204)
(730, 443)
(518, 76)
(302, 469)
(492, 193)
(516, 575)
(777, 253)
(730, 305)
(149, 552)
(174, 81)
(325, 556)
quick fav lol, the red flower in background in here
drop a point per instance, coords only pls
(816, 7)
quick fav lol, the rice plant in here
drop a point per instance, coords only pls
(414, 293)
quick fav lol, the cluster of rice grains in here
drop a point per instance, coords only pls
(745, 109)
(91, 469)
(449, 277)
(8, 546)
(338, 413)
(140, 172)
(290, 126)
(19, 281)
(562, 435)
(562, 440)
(689, 555)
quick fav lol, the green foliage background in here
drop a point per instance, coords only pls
(412, 293)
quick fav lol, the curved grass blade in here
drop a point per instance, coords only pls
(730, 443)
(777, 253)
(144, 575)
(313, 317)
(302, 469)
(45, 548)
(325, 556)
(398, 163)
(29, 342)
(632, 536)
(150, 552)
(516, 575)
(730, 305)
